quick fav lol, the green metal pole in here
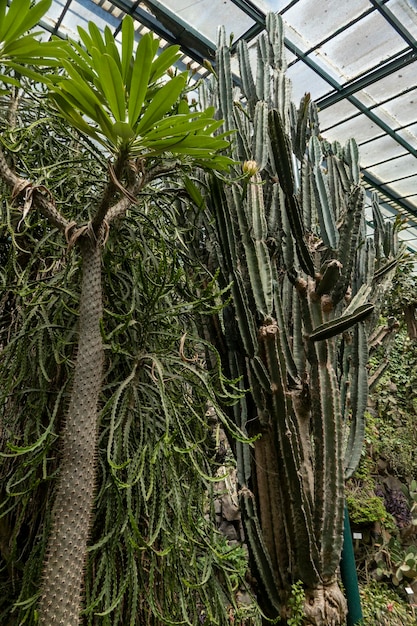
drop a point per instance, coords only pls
(349, 575)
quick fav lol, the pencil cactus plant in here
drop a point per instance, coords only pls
(290, 238)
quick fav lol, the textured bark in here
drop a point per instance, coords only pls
(62, 583)
(411, 321)
(268, 483)
(325, 606)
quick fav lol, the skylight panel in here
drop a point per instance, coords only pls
(405, 188)
(305, 79)
(395, 169)
(313, 26)
(79, 13)
(377, 150)
(406, 12)
(409, 134)
(402, 109)
(205, 17)
(360, 126)
(337, 113)
(362, 46)
(394, 84)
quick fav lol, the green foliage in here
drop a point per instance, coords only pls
(395, 430)
(236, 556)
(382, 606)
(17, 46)
(397, 563)
(413, 500)
(296, 604)
(404, 286)
(130, 101)
(365, 508)
(152, 554)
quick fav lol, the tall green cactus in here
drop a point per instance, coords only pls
(289, 236)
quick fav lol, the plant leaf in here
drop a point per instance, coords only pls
(164, 61)
(111, 84)
(140, 77)
(111, 47)
(123, 130)
(26, 49)
(20, 18)
(96, 38)
(128, 37)
(81, 91)
(161, 103)
(194, 192)
(14, 21)
(68, 111)
(32, 17)
(176, 125)
(81, 60)
(3, 5)
(86, 39)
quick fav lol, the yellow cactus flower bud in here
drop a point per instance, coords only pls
(250, 168)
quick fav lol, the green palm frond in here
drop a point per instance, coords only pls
(128, 102)
(19, 47)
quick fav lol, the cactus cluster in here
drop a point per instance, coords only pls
(290, 237)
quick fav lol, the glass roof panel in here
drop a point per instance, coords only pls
(268, 5)
(376, 151)
(207, 17)
(409, 134)
(79, 13)
(403, 109)
(337, 113)
(364, 45)
(405, 188)
(393, 84)
(311, 26)
(305, 79)
(396, 168)
(360, 126)
(406, 13)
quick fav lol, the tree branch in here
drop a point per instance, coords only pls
(120, 208)
(115, 172)
(18, 185)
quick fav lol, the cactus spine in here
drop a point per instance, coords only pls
(304, 281)
(67, 549)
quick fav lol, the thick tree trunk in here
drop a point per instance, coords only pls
(325, 606)
(411, 321)
(63, 576)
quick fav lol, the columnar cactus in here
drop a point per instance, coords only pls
(289, 236)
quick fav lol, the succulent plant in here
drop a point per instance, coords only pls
(128, 101)
(289, 236)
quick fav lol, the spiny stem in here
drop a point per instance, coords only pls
(61, 593)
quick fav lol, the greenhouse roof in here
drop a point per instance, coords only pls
(358, 59)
